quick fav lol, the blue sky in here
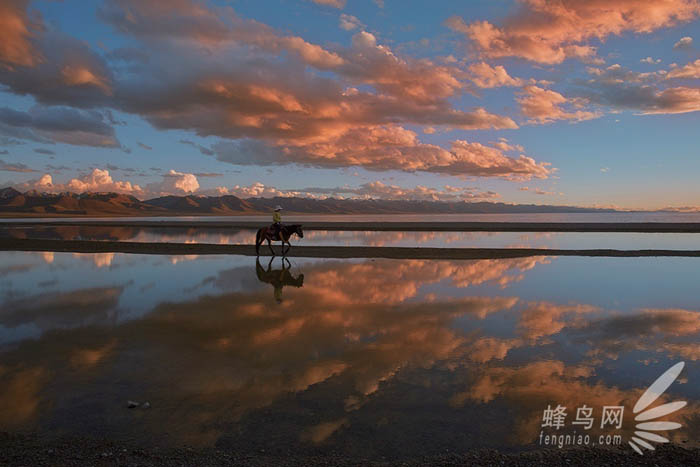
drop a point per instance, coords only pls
(522, 102)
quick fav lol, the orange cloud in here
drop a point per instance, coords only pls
(487, 76)
(545, 319)
(550, 31)
(333, 3)
(16, 34)
(690, 70)
(546, 106)
(83, 76)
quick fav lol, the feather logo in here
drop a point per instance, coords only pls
(645, 431)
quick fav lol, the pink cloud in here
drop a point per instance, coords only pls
(16, 33)
(174, 182)
(550, 31)
(333, 3)
(546, 106)
(387, 148)
(487, 76)
(101, 181)
(96, 181)
(690, 70)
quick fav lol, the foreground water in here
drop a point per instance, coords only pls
(369, 358)
(229, 236)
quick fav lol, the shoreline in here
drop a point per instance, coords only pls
(31, 450)
(87, 246)
(612, 227)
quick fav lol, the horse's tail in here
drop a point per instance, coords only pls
(258, 241)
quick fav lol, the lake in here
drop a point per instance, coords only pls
(371, 358)
(235, 236)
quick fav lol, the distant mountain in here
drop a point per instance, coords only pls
(202, 204)
(35, 204)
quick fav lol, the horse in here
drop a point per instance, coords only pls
(286, 231)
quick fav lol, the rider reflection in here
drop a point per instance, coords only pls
(278, 278)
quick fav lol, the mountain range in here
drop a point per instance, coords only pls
(14, 203)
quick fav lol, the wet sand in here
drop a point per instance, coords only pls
(84, 246)
(634, 227)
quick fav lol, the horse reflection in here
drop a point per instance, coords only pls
(278, 278)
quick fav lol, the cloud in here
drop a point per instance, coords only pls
(70, 73)
(100, 180)
(14, 167)
(174, 182)
(16, 33)
(486, 76)
(281, 105)
(684, 43)
(96, 181)
(332, 3)
(144, 146)
(189, 20)
(255, 190)
(650, 61)
(690, 70)
(203, 149)
(620, 88)
(349, 22)
(546, 106)
(58, 125)
(46, 152)
(379, 190)
(230, 82)
(550, 31)
(419, 80)
(387, 148)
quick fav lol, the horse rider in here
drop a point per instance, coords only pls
(276, 221)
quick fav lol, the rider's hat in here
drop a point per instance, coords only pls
(278, 208)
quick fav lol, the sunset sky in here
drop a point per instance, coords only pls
(576, 102)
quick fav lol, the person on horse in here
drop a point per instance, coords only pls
(276, 226)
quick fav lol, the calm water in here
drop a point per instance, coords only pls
(367, 358)
(563, 240)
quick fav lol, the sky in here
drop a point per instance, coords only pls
(562, 102)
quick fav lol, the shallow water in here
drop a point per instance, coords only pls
(367, 358)
(551, 240)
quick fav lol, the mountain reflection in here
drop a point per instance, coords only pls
(381, 354)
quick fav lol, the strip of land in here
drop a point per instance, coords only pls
(640, 227)
(83, 246)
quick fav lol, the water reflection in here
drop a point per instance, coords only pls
(371, 358)
(229, 236)
(278, 278)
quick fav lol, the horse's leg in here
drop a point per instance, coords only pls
(269, 245)
(289, 247)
